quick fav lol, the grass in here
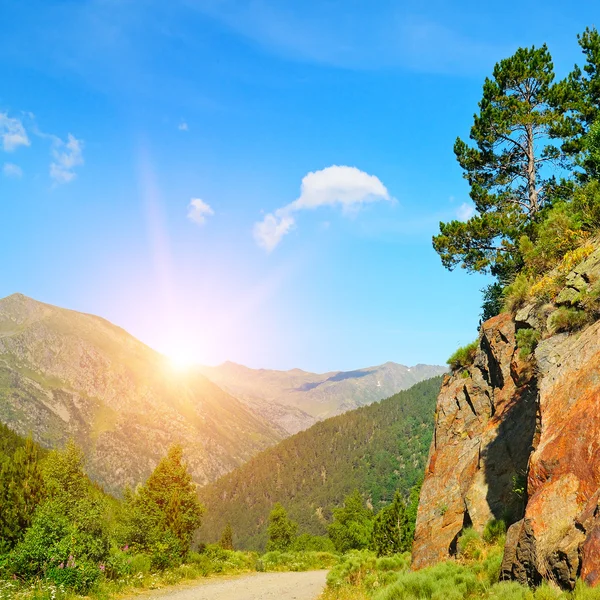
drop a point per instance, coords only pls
(568, 319)
(472, 575)
(463, 357)
(527, 341)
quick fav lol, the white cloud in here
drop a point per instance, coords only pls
(348, 187)
(12, 170)
(65, 157)
(12, 133)
(183, 126)
(198, 210)
(465, 211)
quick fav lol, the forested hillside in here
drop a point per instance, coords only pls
(375, 449)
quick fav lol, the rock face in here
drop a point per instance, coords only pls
(484, 431)
(506, 418)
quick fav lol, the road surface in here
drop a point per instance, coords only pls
(257, 586)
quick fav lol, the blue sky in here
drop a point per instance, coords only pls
(152, 156)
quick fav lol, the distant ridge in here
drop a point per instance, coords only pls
(296, 399)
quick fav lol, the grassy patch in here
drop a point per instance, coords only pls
(463, 357)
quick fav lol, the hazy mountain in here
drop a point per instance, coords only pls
(296, 399)
(67, 374)
(378, 449)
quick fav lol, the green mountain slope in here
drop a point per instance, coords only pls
(296, 399)
(377, 449)
(66, 374)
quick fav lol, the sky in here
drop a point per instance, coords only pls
(252, 180)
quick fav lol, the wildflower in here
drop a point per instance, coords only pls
(101, 567)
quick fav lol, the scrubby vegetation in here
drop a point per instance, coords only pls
(463, 357)
(527, 341)
(473, 574)
(377, 449)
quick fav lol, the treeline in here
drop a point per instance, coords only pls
(532, 163)
(377, 449)
(354, 527)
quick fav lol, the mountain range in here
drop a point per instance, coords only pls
(296, 399)
(65, 374)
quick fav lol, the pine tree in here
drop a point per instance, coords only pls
(282, 530)
(578, 98)
(506, 168)
(227, 538)
(391, 529)
(21, 491)
(166, 508)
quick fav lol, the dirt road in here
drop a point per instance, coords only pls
(259, 586)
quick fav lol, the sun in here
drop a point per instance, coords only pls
(181, 360)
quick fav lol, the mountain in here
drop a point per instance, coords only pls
(517, 437)
(296, 399)
(377, 448)
(66, 374)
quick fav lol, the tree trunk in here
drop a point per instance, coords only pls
(532, 191)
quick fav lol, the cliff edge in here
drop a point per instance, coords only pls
(517, 437)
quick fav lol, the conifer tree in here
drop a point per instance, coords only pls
(506, 167)
(166, 508)
(392, 533)
(21, 491)
(227, 538)
(578, 98)
(282, 530)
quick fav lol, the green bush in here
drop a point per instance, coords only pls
(447, 581)
(297, 561)
(463, 357)
(68, 541)
(363, 568)
(315, 543)
(568, 319)
(470, 544)
(517, 293)
(527, 341)
(494, 531)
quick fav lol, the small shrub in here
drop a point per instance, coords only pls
(518, 293)
(494, 531)
(470, 544)
(463, 357)
(448, 581)
(298, 561)
(568, 319)
(527, 341)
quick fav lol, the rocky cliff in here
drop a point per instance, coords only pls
(518, 438)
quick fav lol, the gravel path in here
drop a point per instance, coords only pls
(260, 586)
